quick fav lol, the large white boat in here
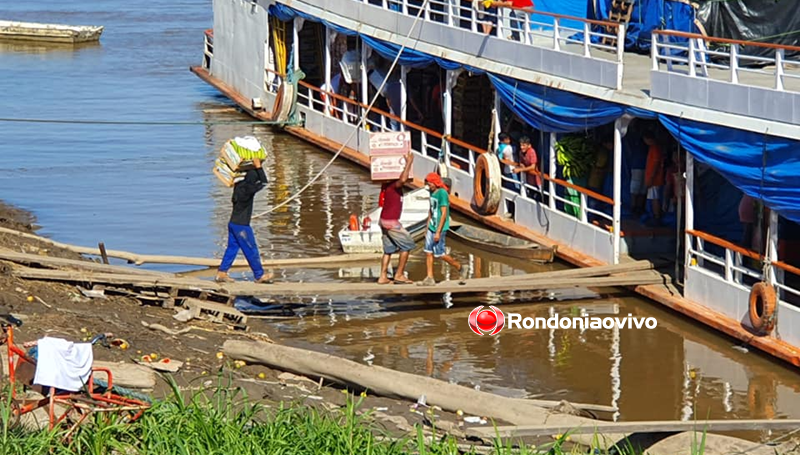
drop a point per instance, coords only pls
(587, 91)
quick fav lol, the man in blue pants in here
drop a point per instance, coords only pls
(240, 234)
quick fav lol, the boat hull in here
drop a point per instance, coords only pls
(502, 244)
(27, 31)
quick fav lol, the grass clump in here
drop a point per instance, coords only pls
(224, 421)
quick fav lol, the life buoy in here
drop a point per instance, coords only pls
(486, 184)
(763, 302)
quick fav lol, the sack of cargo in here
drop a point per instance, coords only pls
(225, 174)
(238, 153)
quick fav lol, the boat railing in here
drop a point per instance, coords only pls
(454, 152)
(570, 34)
(721, 59)
(208, 49)
(738, 265)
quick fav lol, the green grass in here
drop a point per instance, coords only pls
(224, 421)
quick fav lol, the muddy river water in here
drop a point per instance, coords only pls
(150, 189)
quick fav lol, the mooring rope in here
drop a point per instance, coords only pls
(360, 123)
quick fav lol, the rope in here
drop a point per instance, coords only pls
(130, 122)
(360, 123)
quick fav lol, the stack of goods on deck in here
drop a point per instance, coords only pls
(236, 157)
(388, 153)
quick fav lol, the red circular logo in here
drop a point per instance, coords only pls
(491, 320)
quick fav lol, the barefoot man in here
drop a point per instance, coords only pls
(395, 236)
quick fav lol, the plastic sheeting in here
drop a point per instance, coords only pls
(648, 15)
(768, 21)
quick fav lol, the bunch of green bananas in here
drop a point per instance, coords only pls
(575, 154)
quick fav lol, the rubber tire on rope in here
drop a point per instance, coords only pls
(763, 302)
(486, 184)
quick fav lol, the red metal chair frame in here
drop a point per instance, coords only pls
(84, 404)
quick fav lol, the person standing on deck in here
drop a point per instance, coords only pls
(530, 166)
(654, 175)
(395, 236)
(240, 234)
(505, 152)
(518, 14)
(438, 224)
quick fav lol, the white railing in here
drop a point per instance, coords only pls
(208, 49)
(457, 154)
(690, 52)
(529, 27)
(741, 266)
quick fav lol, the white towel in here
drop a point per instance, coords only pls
(63, 364)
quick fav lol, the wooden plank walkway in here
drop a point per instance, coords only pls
(495, 284)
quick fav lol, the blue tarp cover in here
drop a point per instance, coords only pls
(648, 15)
(735, 154)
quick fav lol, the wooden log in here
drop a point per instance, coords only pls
(103, 253)
(74, 264)
(655, 426)
(139, 259)
(127, 374)
(251, 288)
(396, 384)
(585, 272)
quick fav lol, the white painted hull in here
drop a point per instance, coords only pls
(415, 214)
(31, 31)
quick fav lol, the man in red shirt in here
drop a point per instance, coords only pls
(521, 8)
(530, 165)
(395, 236)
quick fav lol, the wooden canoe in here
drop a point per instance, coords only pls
(31, 31)
(506, 245)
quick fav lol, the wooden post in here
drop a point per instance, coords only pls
(103, 252)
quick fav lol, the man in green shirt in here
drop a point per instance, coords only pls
(438, 224)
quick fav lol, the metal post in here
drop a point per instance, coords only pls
(328, 71)
(403, 95)
(553, 165)
(364, 82)
(298, 24)
(447, 110)
(772, 250)
(692, 59)
(689, 213)
(587, 38)
(734, 63)
(654, 50)
(498, 105)
(556, 44)
(779, 56)
(617, 212)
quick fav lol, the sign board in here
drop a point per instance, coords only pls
(388, 167)
(390, 143)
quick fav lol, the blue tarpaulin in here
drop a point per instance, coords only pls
(648, 15)
(735, 154)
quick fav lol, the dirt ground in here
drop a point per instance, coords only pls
(61, 310)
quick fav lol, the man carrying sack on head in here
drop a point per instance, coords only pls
(240, 234)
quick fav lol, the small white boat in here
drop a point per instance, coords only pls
(416, 204)
(32, 31)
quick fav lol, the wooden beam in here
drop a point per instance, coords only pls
(655, 426)
(74, 264)
(139, 259)
(359, 288)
